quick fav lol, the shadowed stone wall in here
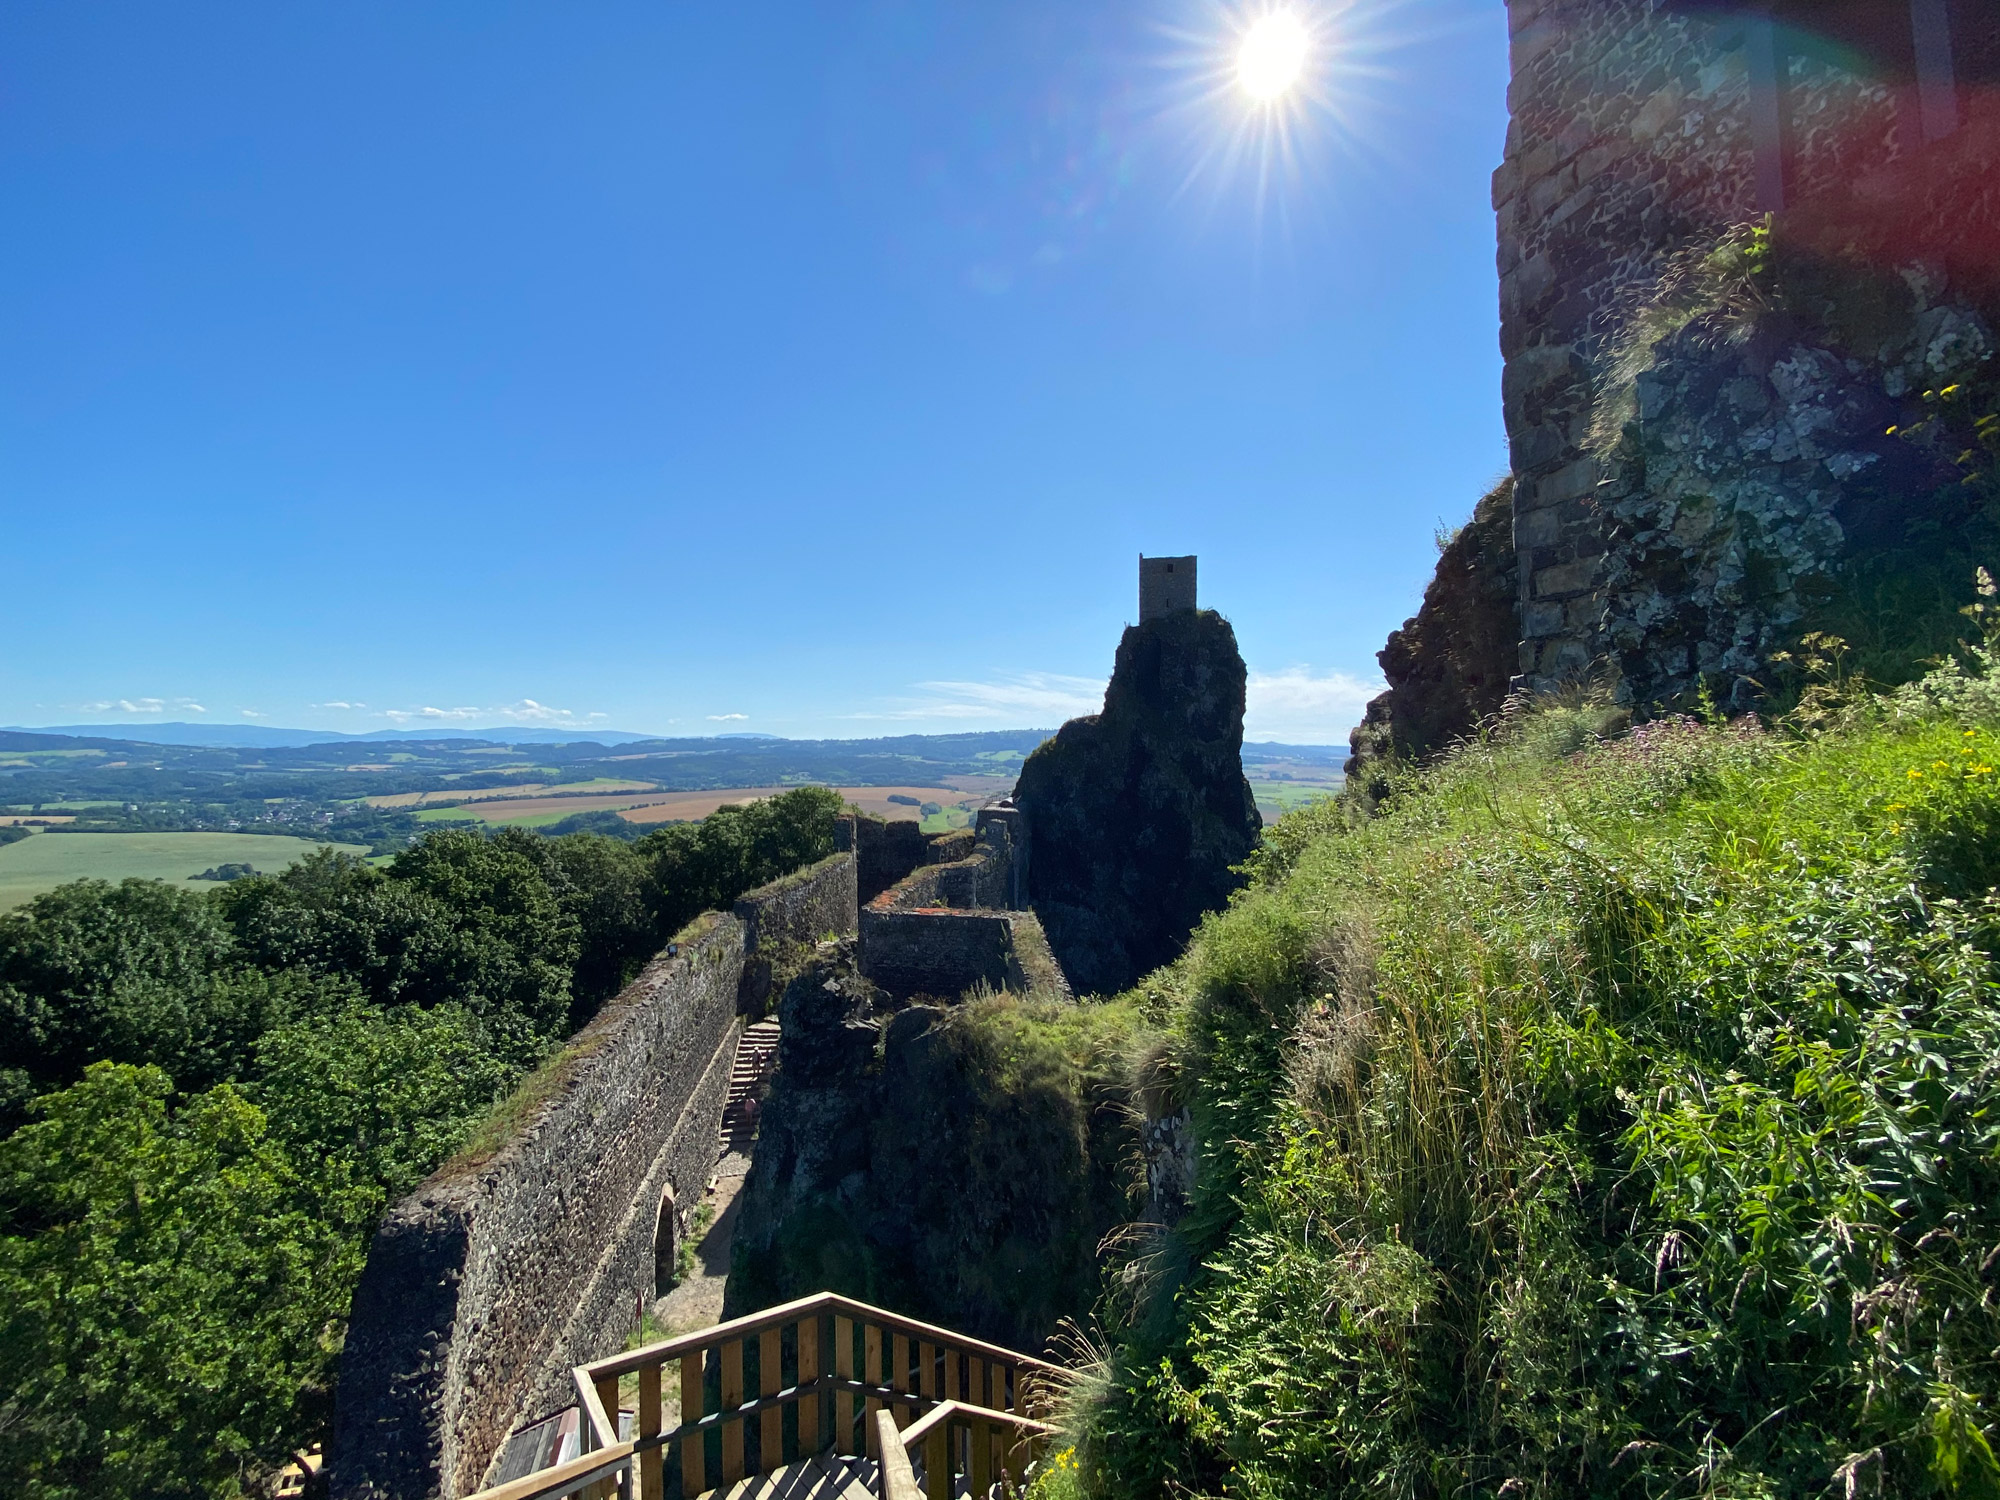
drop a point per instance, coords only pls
(486, 1285)
(888, 849)
(1134, 819)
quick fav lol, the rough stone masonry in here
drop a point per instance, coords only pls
(1638, 128)
(522, 1259)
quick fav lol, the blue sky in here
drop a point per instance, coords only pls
(818, 369)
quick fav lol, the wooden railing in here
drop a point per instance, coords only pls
(780, 1386)
(957, 1440)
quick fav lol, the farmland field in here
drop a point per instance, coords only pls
(599, 785)
(1276, 798)
(1283, 783)
(47, 860)
(963, 794)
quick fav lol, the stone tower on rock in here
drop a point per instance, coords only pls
(1134, 816)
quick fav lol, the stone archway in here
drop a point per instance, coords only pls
(666, 1246)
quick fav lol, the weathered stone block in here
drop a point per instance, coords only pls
(1538, 528)
(1566, 578)
(1541, 619)
(1571, 482)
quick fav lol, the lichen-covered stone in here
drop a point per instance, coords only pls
(1762, 458)
(1136, 815)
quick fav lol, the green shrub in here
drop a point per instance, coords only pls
(138, 1243)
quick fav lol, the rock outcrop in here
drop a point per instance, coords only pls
(1449, 665)
(945, 1162)
(1136, 815)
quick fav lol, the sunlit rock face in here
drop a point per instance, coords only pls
(1136, 815)
(1768, 466)
(1448, 667)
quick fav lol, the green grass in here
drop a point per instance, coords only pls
(47, 860)
(1610, 1116)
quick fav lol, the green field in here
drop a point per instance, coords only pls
(48, 860)
(1276, 798)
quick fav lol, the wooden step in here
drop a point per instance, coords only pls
(825, 1477)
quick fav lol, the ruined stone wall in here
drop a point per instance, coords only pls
(936, 952)
(946, 848)
(490, 1282)
(947, 927)
(887, 849)
(1449, 666)
(789, 915)
(1635, 131)
(803, 907)
(901, 1160)
(940, 953)
(1134, 821)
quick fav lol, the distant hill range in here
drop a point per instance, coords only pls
(261, 737)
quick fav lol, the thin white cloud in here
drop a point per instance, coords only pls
(337, 703)
(1302, 707)
(142, 706)
(527, 711)
(726, 718)
(251, 713)
(1012, 699)
(1298, 705)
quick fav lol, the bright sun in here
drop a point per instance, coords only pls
(1272, 57)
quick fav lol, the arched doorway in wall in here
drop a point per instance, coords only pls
(666, 1245)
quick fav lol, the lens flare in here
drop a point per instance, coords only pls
(1273, 56)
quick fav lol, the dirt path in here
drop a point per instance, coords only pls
(697, 1301)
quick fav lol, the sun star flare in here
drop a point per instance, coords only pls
(1272, 56)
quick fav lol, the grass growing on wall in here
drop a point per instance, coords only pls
(1610, 1116)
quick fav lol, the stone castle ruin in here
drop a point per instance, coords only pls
(1700, 419)
(1166, 586)
(534, 1251)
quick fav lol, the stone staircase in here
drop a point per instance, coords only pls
(756, 1055)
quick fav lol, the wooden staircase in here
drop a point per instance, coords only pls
(826, 1398)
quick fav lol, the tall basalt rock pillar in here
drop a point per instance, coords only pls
(1136, 815)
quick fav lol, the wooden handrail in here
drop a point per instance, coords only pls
(603, 1431)
(944, 1411)
(565, 1479)
(934, 1431)
(899, 1480)
(735, 1328)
